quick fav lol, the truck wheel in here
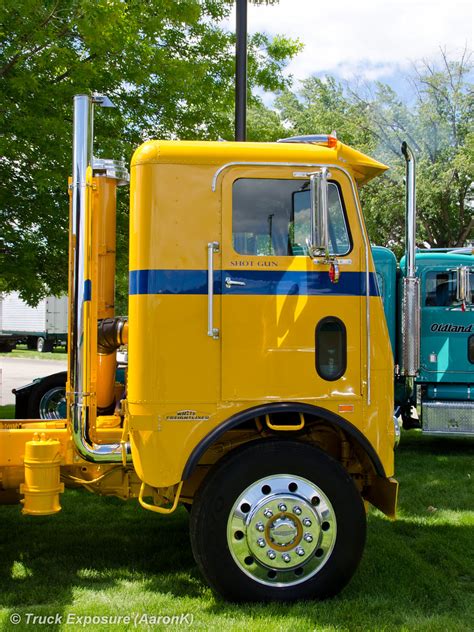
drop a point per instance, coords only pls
(48, 398)
(277, 520)
(31, 343)
(43, 345)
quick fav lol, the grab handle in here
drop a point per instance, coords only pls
(212, 248)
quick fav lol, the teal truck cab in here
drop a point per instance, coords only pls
(429, 307)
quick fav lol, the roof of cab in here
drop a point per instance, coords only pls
(220, 153)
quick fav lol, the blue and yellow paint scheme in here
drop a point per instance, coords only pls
(191, 397)
(186, 390)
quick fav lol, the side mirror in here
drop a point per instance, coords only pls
(463, 284)
(318, 243)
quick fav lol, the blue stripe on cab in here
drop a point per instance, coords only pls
(257, 282)
(168, 282)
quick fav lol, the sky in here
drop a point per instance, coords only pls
(366, 40)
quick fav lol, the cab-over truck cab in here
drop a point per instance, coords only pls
(259, 389)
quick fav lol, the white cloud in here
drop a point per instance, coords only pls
(370, 39)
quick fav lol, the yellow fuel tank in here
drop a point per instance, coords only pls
(42, 471)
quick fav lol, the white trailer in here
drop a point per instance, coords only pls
(41, 327)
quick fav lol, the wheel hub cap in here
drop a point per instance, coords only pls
(281, 530)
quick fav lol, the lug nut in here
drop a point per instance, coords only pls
(268, 513)
(307, 522)
(259, 526)
(299, 551)
(286, 558)
(271, 554)
(282, 507)
(308, 537)
(261, 542)
(297, 510)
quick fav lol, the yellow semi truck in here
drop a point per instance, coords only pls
(259, 387)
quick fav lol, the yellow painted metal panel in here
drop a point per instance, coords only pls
(218, 153)
(267, 343)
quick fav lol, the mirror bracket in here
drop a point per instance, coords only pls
(463, 285)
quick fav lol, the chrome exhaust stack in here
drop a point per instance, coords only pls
(80, 290)
(410, 325)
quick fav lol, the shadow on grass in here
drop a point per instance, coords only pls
(429, 444)
(416, 572)
(94, 543)
(412, 576)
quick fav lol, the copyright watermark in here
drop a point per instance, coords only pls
(136, 619)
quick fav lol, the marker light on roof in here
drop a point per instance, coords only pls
(328, 140)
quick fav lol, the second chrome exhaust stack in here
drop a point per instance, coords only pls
(410, 317)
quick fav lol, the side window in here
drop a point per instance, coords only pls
(331, 348)
(440, 288)
(272, 217)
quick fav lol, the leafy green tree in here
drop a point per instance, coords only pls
(167, 65)
(438, 126)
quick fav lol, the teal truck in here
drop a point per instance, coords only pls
(429, 306)
(442, 389)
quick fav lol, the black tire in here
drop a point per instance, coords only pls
(409, 422)
(337, 523)
(31, 343)
(54, 388)
(44, 345)
(48, 346)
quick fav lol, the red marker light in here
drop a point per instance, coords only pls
(334, 273)
(332, 141)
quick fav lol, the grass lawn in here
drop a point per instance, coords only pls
(22, 351)
(105, 557)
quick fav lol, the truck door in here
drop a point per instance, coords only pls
(446, 328)
(287, 330)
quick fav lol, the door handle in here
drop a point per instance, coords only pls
(212, 248)
(229, 282)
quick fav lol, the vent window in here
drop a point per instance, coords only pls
(331, 348)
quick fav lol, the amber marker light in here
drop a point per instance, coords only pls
(346, 408)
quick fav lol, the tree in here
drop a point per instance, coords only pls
(439, 127)
(167, 65)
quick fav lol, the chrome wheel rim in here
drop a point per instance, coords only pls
(281, 530)
(53, 404)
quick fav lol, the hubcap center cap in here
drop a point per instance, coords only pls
(283, 531)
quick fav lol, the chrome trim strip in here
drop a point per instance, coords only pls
(260, 164)
(361, 225)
